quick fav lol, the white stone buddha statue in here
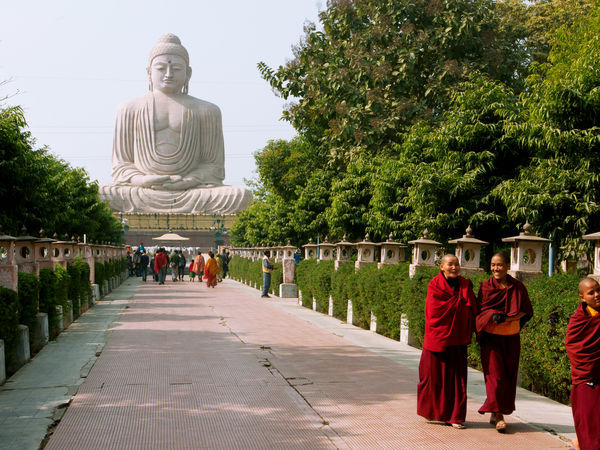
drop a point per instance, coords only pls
(168, 152)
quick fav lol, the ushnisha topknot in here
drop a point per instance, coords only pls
(169, 44)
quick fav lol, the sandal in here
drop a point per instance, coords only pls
(501, 426)
(458, 426)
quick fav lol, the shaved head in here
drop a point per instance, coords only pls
(447, 257)
(587, 282)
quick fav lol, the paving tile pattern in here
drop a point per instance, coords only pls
(192, 367)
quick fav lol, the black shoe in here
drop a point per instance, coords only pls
(265, 296)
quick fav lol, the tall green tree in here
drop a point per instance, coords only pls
(39, 191)
(559, 192)
(376, 68)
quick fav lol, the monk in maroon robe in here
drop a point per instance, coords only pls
(504, 307)
(583, 348)
(450, 310)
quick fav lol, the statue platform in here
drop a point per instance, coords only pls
(204, 230)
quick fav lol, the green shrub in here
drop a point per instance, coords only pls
(63, 282)
(544, 363)
(304, 273)
(99, 274)
(387, 306)
(276, 278)
(320, 282)
(339, 289)
(413, 297)
(29, 294)
(9, 315)
(48, 301)
(74, 272)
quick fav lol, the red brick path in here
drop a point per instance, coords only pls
(191, 367)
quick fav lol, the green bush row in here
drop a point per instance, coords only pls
(389, 292)
(105, 270)
(250, 272)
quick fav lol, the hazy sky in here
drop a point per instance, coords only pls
(73, 62)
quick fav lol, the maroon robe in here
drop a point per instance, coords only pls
(449, 324)
(583, 348)
(499, 353)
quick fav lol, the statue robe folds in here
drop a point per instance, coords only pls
(199, 156)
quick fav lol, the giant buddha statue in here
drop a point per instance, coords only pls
(168, 152)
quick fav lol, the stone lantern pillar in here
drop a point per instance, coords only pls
(468, 251)
(595, 237)
(343, 252)
(276, 254)
(326, 249)
(86, 253)
(288, 288)
(62, 251)
(9, 272)
(392, 252)
(42, 252)
(25, 252)
(423, 253)
(310, 250)
(281, 252)
(366, 252)
(526, 253)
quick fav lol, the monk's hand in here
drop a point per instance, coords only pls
(149, 180)
(499, 318)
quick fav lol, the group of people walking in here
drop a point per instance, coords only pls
(452, 313)
(213, 269)
(497, 314)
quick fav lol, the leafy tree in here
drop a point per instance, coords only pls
(51, 194)
(559, 192)
(379, 67)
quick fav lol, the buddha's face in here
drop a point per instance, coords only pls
(169, 73)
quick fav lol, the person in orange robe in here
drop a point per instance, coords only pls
(199, 266)
(450, 310)
(583, 348)
(504, 307)
(211, 268)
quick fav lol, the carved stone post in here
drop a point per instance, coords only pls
(310, 250)
(326, 250)
(423, 253)
(468, 252)
(526, 253)
(392, 252)
(366, 252)
(288, 288)
(8, 269)
(42, 253)
(595, 237)
(343, 252)
(24, 252)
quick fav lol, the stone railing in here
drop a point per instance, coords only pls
(30, 254)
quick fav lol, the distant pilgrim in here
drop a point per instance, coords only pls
(168, 152)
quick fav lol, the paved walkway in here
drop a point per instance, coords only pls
(185, 366)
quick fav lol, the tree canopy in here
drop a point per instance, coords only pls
(418, 114)
(40, 191)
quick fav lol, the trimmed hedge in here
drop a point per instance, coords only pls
(29, 295)
(9, 315)
(250, 273)
(48, 301)
(63, 281)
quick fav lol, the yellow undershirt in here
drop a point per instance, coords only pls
(592, 311)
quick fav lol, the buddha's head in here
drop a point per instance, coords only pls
(169, 69)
